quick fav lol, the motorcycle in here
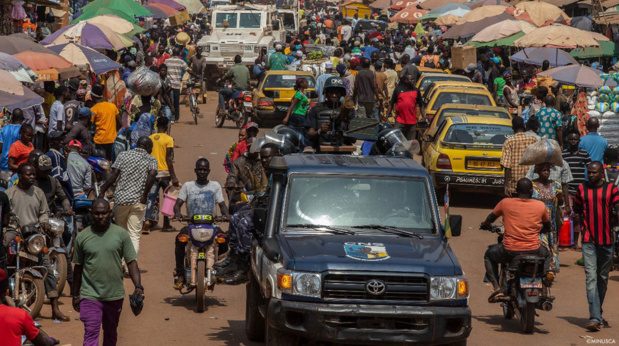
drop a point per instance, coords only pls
(26, 288)
(238, 108)
(525, 286)
(202, 251)
(57, 252)
(100, 168)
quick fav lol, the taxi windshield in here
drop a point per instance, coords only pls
(448, 113)
(426, 81)
(478, 134)
(286, 81)
(350, 201)
(461, 97)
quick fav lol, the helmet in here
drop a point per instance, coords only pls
(257, 145)
(388, 138)
(399, 150)
(285, 145)
(383, 126)
(334, 82)
(290, 134)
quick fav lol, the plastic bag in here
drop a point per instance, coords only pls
(545, 150)
(144, 82)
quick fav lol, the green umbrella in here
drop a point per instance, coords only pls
(94, 12)
(429, 16)
(503, 42)
(130, 7)
(606, 49)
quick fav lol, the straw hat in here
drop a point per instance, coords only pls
(182, 38)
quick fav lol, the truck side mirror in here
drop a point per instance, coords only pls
(271, 249)
(260, 219)
(455, 223)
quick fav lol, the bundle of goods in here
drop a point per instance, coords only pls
(542, 151)
(605, 106)
(144, 82)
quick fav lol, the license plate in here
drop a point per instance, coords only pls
(482, 164)
(526, 283)
(282, 108)
(201, 255)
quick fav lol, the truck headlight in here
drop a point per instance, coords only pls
(206, 49)
(448, 287)
(299, 283)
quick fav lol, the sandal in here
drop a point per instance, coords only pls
(496, 295)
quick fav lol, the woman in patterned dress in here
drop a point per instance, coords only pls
(550, 193)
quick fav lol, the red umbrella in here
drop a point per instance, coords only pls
(167, 9)
(43, 61)
(409, 15)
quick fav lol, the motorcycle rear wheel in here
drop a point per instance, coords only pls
(34, 292)
(242, 120)
(219, 120)
(59, 265)
(200, 286)
(527, 318)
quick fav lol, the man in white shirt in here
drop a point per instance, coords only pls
(56, 113)
(346, 31)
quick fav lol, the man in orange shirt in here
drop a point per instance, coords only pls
(106, 118)
(523, 218)
(329, 26)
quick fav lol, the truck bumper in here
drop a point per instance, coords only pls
(269, 115)
(370, 324)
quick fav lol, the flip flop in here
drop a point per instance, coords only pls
(495, 295)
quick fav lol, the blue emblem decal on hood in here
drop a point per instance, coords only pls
(366, 251)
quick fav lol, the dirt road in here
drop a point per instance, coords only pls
(170, 319)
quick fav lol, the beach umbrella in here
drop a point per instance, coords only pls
(536, 56)
(97, 12)
(23, 35)
(560, 36)
(502, 30)
(605, 49)
(432, 4)
(54, 74)
(116, 23)
(10, 84)
(458, 12)
(13, 45)
(578, 75)
(43, 61)
(130, 7)
(507, 41)
(193, 6)
(475, 4)
(439, 11)
(89, 35)
(538, 13)
(170, 3)
(470, 28)
(18, 69)
(169, 11)
(447, 20)
(83, 56)
(13, 94)
(482, 13)
(409, 15)
(157, 12)
(402, 4)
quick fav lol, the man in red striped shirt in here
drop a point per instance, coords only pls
(594, 202)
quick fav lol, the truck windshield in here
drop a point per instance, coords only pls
(349, 201)
(230, 18)
(250, 20)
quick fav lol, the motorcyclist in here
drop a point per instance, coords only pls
(239, 74)
(245, 172)
(523, 218)
(323, 123)
(201, 196)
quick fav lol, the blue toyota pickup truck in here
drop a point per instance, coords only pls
(352, 250)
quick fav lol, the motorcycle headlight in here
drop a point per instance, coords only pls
(449, 287)
(202, 234)
(104, 164)
(35, 244)
(299, 283)
(56, 225)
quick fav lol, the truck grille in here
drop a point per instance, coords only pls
(353, 286)
(231, 49)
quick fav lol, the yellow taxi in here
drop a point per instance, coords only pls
(451, 83)
(274, 93)
(426, 79)
(465, 152)
(435, 99)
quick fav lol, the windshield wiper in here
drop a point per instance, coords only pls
(323, 227)
(391, 229)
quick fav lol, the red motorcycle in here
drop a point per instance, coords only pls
(238, 108)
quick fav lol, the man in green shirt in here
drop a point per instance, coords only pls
(239, 74)
(98, 291)
(277, 60)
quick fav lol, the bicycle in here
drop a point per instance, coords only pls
(193, 99)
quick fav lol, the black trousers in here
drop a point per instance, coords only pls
(497, 254)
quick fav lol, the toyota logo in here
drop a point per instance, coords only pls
(375, 287)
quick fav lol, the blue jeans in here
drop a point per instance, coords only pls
(597, 259)
(176, 100)
(160, 183)
(224, 95)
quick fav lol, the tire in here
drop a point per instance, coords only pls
(194, 108)
(507, 312)
(219, 120)
(200, 286)
(527, 318)
(35, 286)
(275, 337)
(59, 263)
(254, 322)
(242, 120)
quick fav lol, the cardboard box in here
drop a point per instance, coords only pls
(462, 56)
(179, 18)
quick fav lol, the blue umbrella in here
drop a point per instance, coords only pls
(536, 56)
(80, 55)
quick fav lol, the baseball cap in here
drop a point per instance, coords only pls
(44, 163)
(75, 143)
(470, 68)
(85, 112)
